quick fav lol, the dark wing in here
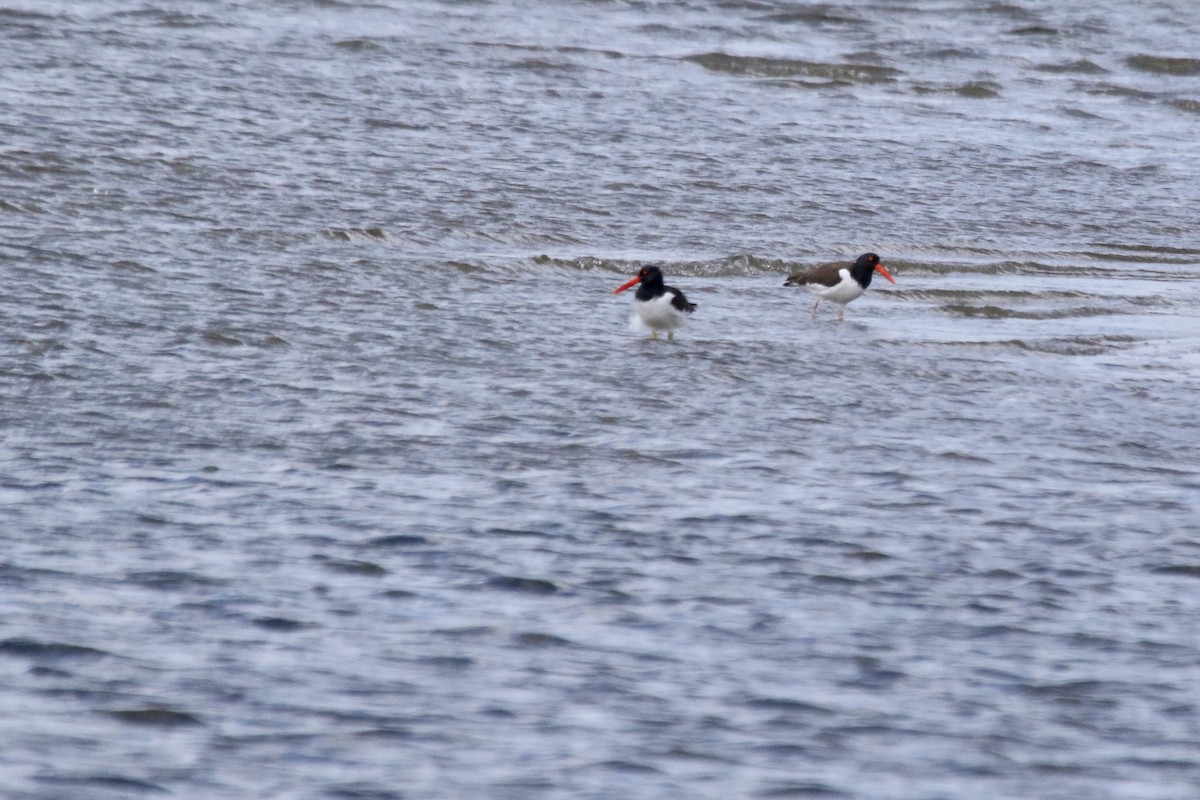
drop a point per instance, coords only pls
(825, 275)
(679, 302)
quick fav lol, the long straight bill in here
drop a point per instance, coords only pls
(636, 279)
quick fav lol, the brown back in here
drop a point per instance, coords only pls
(825, 275)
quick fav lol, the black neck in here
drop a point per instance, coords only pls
(862, 271)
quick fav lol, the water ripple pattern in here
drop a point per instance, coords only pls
(331, 467)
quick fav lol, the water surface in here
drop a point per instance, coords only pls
(332, 469)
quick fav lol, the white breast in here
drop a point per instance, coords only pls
(843, 292)
(658, 314)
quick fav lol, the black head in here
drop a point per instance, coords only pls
(867, 261)
(650, 274)
(651, 283)
(650, 279)
(865, 268)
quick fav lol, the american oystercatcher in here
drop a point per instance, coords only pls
(661, 308)
(839, 282)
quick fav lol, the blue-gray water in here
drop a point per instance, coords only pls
(332, 469)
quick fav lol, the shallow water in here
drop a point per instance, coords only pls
(332, 469)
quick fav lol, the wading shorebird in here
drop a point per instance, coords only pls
(660, 308)
(840, 281)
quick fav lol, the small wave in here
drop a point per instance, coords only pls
(11, 14)
(166, 17)
(978, 90)
(1037, 267)
(39, 650)
(1015, 295)
(1080, 66)
(466, 268)
(351, 566)
(949, 54)
(1151, 248)
(815, 15)
(1009, 10)
(542, 65)
(18, 208)
(1078, 693)
(377, 122)
(748, 265)
(998, 312)
(537, 48)
(1078, 113)
(801, 790)
(738, 265)
(357, 235)
(1186, 570)
(1067, 345)
(156, 716)
(763, 67)
(279, 624)
(363, 790)
(1036, 30)
(537, 639)
(1113, 90)
(356, 45)
(975, 90)
(522, 585)
(45, 162)
(1164, 65)
(104, 783)
(172, 580)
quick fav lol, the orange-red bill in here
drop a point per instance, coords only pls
(879, 268)
(636, 279)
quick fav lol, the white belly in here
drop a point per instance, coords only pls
(658, 314)
(843, 292)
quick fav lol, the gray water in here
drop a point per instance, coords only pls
(331, 468)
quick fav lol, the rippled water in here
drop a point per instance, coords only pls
(332, 469)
